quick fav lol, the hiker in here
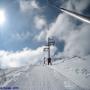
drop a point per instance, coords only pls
(44, 62)
(49, 61)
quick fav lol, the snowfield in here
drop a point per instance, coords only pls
(75, 69)
(66, 74)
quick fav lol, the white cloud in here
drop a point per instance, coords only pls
(34, 4)
(21, 36)
(42, 36)
(20, 58)
(61, 28)
(40, 22)
(24, 57)
(76, 5)
(78, 42)
(42, 26)
(28, 5)
(76, 37)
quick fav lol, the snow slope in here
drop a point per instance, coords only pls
(75, 69)
(41, 78)
(66, 74)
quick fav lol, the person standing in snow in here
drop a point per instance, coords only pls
(44, 60)
(49, 61)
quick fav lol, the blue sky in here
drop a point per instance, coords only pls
(20, 22)
(29, 23)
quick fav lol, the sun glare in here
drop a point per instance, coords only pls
(2, 17)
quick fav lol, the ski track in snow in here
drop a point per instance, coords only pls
(42, 78)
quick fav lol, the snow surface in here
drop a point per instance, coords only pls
(75, 69)
(40, 78)
(65, 74)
